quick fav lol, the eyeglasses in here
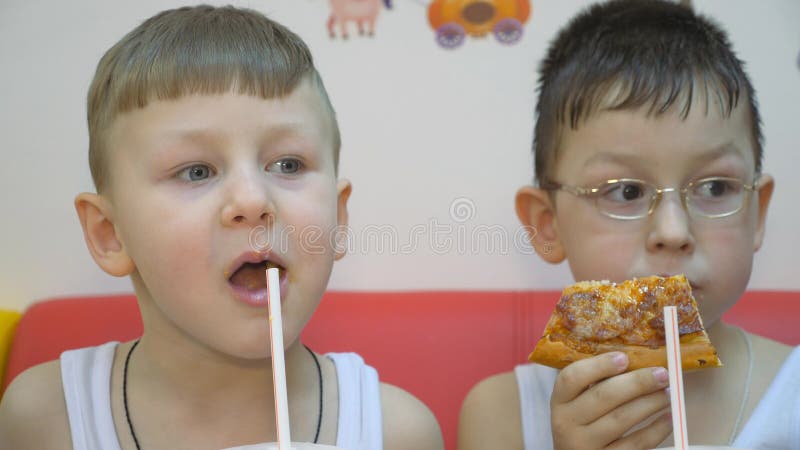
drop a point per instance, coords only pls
(629, 199)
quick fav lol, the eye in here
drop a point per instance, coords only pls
(287, 166)
(713, 188)
(623, 191)
(195, 172)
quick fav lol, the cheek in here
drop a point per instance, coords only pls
(598, 249)
(606, 257)
(729, 255)
(727, 259)
(312, 218)
(168, 243)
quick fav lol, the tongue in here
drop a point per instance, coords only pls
(250, 276)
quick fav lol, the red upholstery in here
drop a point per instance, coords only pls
(436, 345)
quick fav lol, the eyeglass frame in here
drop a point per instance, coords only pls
(655, 199)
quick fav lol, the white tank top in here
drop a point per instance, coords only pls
(774, 424)
(86, 377)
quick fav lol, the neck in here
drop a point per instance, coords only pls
(727, 387)
(205, 377)
(727, 340)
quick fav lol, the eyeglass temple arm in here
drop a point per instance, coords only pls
(548, 185)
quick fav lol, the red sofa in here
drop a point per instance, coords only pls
(436, 345)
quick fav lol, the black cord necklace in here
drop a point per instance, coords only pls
(125, 393)
(319, 376)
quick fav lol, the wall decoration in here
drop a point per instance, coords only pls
(453, 20)
(362, 12)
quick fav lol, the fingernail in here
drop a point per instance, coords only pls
(661, 375)
(669, 397)
(620, 360)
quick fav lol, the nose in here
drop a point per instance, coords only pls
(247, 200)
(670, 228)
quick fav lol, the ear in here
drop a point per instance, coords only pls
(537, 214)
(765, 187)
(344, 188)
(94, 212)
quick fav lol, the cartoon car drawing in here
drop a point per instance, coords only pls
(453, 20)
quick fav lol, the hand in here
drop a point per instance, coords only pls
(594, 404)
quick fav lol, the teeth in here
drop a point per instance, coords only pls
(271, 265)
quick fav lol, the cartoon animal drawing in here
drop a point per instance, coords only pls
(454, 19)
(359, 11)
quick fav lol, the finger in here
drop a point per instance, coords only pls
(650, 436)
(614, 392)
(578, 376)
(634, 413)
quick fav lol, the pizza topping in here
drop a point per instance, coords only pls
(588, 317)
(630, 312)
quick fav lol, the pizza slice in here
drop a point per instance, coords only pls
(594, 317)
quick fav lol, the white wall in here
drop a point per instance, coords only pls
(422, 128)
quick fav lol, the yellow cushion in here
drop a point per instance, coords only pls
(8, 322)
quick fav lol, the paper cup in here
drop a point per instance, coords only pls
(706, 447)
(295, 446)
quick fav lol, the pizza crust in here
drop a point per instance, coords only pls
(696, 353)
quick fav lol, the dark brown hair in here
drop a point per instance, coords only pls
(626, 54)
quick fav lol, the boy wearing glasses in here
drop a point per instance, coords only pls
(648, 156)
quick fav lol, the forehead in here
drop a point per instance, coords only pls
(670, 141)
(230, 115)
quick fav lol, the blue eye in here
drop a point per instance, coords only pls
(288, 166)
(196, 172)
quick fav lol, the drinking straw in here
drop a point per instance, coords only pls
(278, 363)
(675, 378)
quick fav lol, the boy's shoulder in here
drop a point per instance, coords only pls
(407, 422)
(33, 413)
(490, 415)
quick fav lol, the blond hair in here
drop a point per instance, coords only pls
(196, 50)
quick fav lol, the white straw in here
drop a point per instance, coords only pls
(278, 363)
(675, 378)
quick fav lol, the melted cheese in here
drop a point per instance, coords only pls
(631, 312)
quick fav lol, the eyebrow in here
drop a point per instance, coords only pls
(628, 159)
(618, 158)
(203, 134)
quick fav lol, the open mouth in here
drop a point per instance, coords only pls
(252, 276)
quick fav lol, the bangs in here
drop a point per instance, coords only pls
(656, 87)
(210, 52)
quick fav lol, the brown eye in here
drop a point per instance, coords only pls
(716, 188)
(631, 192)
(622, 191)
(716, 197)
